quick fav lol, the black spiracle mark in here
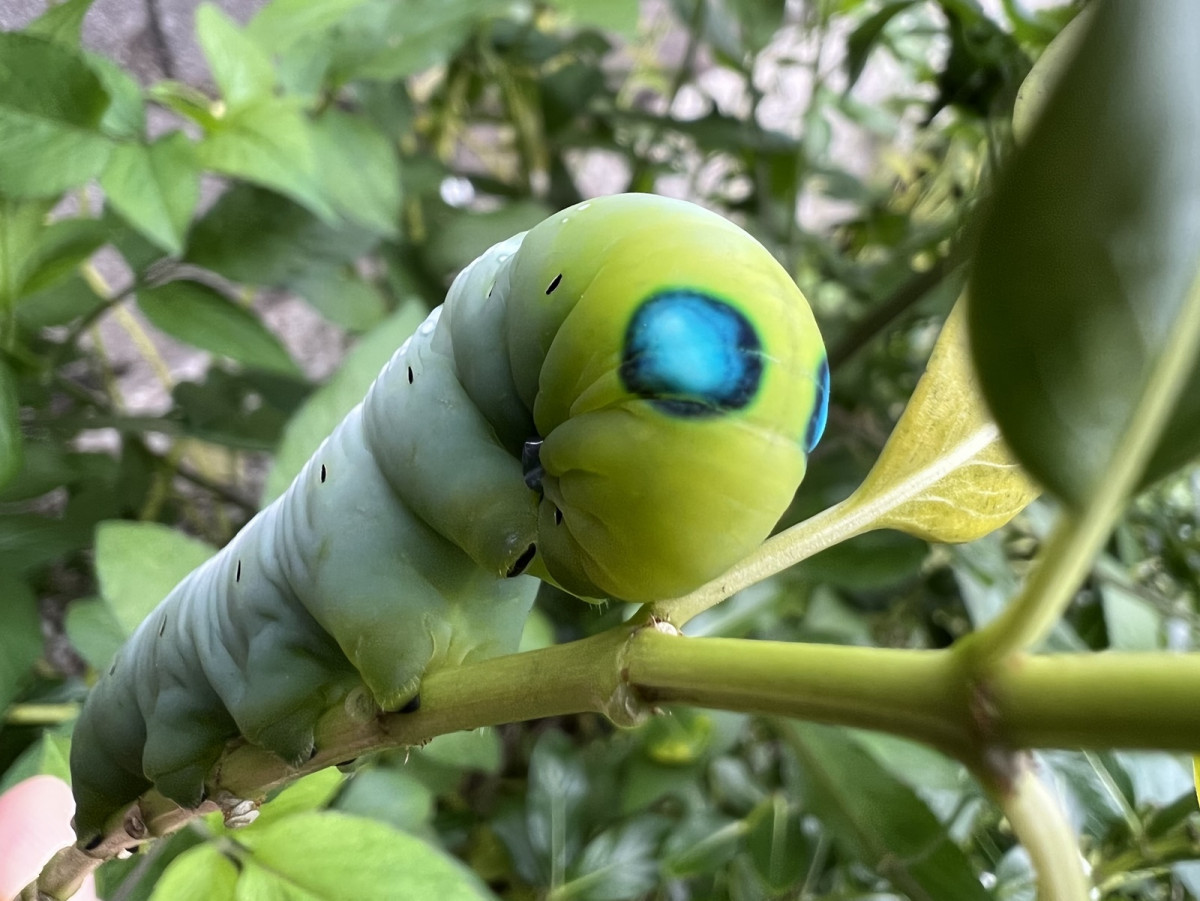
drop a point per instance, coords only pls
(554, 284)
(410, 375)
(323, 473)
(522, 562)
(162, 627)
(112, 669)
(237, 576)
(557, 516)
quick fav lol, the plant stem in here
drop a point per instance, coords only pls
(1037, 820)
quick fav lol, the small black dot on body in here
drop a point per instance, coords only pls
(112, 669)
(237, 576)
(323, 473)
(410, 375)
(522, 562)
(162, 627)
(554, 284)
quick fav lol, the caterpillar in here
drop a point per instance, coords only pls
(620, 401)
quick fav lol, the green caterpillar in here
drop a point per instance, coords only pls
(621, 400)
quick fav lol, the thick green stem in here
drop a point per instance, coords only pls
(1039, 823)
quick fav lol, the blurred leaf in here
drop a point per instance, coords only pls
(51, 104)
(20, 229)
(61, 22)
(202, 873)
(138, 563)
(247, 408)
(268, 141)
(95, 631)
(48, 755)
(618, 864)
(198, 315)
(459, 236)
(60, 248)
(125, 117)
(620, 16)
(879, 820)
(1089, 250)
(11, 445)
(777, 845)
(1043, 78)
(333, 400)
(257, 237)
(385, 40)
(360, 170)
(1131, 623)
(329, 855)
(155, 187)
(478, 750)
(340, 295)
(390, 796)
(57, 305)
(281, 23)
(311, 792)
(240, 67)
(20, 637)
(28, 541)
(864, 38)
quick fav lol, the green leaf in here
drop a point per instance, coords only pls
(257, 237)
(864, 38)
(155, 187)
(280, 24)
(202, 873)
(340, 295)
(329, 855)
(620, 16)
(95, 631)
(51, 105)
(59, 304)
(944, 474)
(138, 563)
(239, 65)
(878, 820)
(47, 756)
(58, 252)
(125, 118)
(198, 315)
(11, 445)
(1087, 254)
(20, 637)
(21, 225)
(337, 397)
(1043, 78)
(390, 796)
(62, 22)
(388, 41)
(268, 142)
(360, 170)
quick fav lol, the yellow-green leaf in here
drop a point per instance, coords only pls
(1044, 75)
(945, 473)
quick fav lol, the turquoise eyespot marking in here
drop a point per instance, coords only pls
(691, 355)
(816, 422)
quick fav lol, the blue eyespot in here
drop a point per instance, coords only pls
(816, 422)
(691, 355)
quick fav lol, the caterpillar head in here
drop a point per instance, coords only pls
(677, 381)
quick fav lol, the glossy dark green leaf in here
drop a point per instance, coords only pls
(878, 820)
(198, 315)
(1087, 254)
(51, 104)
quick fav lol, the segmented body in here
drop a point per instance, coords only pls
(621, 400)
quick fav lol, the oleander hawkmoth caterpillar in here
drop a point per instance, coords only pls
(620, 400)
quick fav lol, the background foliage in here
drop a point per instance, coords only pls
(355, 154)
